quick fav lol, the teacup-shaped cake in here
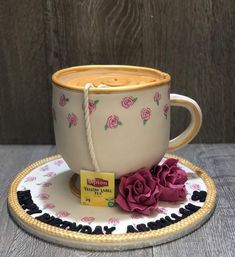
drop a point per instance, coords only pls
(116, 118)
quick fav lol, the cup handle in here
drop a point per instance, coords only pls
(195, 123)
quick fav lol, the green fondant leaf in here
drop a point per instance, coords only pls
(119, 123)
(106, 127)
(97, 101)
(145, 122)
(135, 99)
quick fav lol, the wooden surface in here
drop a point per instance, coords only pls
(193, 40)
(214, 239)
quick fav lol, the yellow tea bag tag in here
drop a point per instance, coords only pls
(97, 188)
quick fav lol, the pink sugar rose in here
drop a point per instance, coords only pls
(171, 181)
(128, 101)
(138, 191)
(112, 122)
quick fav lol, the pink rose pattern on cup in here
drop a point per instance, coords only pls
(128, 101)
(72, 119)
(112, 122)
(63, 100)
(145, 115)
(157, 97)
(165, 110)
(91, 105)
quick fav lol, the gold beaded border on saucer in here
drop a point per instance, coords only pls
(111, 241)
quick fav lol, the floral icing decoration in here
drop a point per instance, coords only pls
(49, 206)
(145, 115)
(58, 162)
(128, 101)
(30, 179)
(43, 196)
(72, 119)
(63, 100)
(114, 221)
(157, 97)
(50, 174)
(140, 191)
(61, 214)
(88, 220)
(165, 110)
(44, 168)
(112, 122)
(171, 180)
(91, 105)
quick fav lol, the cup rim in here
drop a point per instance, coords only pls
(163, 78)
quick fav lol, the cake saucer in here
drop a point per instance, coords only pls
(43, 200)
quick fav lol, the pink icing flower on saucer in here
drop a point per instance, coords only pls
(49, 206)
(30, 179)
(195, 186)
(58, 162)
(114, 221)
(50, 174)
(88, 220)
(43, 196)
(128, 101)
(44, 168)
(138, 192)
(63, 214)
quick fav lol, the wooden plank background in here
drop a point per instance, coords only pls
(193, 40)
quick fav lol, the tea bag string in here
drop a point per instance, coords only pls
(88, 126)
